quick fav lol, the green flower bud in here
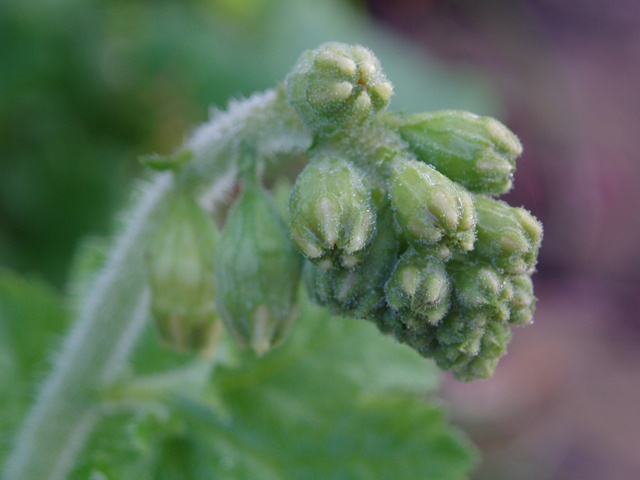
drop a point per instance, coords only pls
(470, 344)
(257, 271)
(180, 259)
(459, 338)
(523, 301)
(492, 347)
(508, 238)
(481, 287)
(467, 342)
(338, 86)
(477, 152)
(358, 292)
(332, 218)
(436, 215)
(419, 289)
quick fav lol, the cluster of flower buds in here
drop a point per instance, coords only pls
(473, 334)
(433, 260)
(392, 221)
(357, 291)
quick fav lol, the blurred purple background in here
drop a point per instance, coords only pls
(565, 402)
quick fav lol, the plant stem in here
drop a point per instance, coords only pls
(114, 311)
(65, 411)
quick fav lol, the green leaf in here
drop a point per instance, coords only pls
(31, 317)
(127, 446)
(275, 434)
(336, 401)
(350, 350)
(31, 314)
(12, 391)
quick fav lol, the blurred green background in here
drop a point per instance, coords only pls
(86, 86)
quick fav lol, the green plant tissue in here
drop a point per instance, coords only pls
(336, 401)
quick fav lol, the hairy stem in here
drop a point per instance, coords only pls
(65, 409)
(68, 403)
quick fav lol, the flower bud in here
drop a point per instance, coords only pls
(419, 289)
(493, 346)
(180, 267)
(358, 292)
(436, 215)
(477, 152)
(523, 301)
(460, 336)
(257, 271)
(331, 213)
(481, 287)
(337, 86)
(470, 344)
(507, 238)
(467, 342)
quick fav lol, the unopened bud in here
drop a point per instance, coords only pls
(337, 86)
(431, 210)
(180, 262)
(492, 347)
(481, 287)
(419, 290)
(470, 344)
(523, 301)
(358, 292)
(257, 271)
(424, 342)
(477, 152)
(332, 218)
(507, 238)
(459, 337)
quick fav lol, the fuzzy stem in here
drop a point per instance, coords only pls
(96, 349)
(65, 409)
